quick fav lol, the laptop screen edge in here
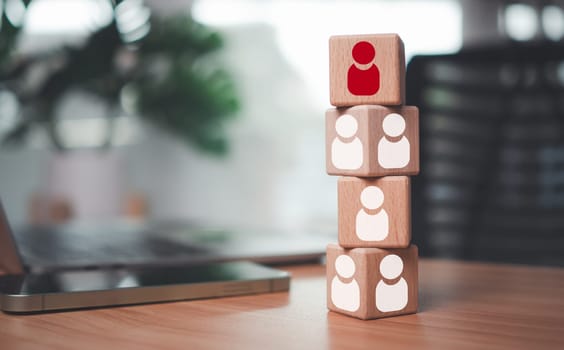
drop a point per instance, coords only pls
(10, 260)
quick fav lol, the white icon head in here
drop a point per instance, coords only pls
(391, 266)
(372, 197)
(346, 126)
(344, 265)
(393, 125)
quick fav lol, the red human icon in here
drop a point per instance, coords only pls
(364, 82)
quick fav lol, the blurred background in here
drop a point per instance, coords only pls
(213, 111)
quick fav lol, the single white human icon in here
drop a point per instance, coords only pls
(393, 154)
(391, 297)
(372, 227)
(345, 296)
(347, 154)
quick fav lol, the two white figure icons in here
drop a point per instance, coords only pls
(389, 297)
(347, 151)
(372, 227)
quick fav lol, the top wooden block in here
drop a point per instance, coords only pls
(367, 69)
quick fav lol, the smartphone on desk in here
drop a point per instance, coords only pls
(38, 292)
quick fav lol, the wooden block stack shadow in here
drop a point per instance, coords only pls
(372, 141)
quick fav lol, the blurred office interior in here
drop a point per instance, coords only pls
(270, 172)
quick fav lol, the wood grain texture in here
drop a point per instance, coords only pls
(389, 60)
(369, 135)
(396, 205)
(367, 275)
(461, 306)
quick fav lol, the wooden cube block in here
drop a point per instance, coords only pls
(371, 282)
(366, 69)
(374, 212)
(372, 141)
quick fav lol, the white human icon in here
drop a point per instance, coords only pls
(391, 297)
(372, 227)
(393, 155)
(346, 155)
(345, 296)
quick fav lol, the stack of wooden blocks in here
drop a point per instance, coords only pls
(372, 141)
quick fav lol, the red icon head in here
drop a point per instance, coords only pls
(363, 52)
(363, 80)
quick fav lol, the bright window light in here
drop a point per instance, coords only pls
(62, 17)
(553, 22)
(15, 10)
(303, 27)
(521, 22)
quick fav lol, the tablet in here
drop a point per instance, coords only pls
(38, 292)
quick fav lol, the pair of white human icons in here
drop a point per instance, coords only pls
(349, 155)
(388, 297)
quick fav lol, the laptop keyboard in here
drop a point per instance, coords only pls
(91, 247)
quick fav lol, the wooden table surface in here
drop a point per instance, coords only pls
(462, 306)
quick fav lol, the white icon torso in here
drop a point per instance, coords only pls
(372, 227)
(345, 296)
(393, 155)
(391, 297)
(347, 156)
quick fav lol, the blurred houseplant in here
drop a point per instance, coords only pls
(162, 62)
(162, 66)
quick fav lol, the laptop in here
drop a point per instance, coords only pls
(159, 244)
